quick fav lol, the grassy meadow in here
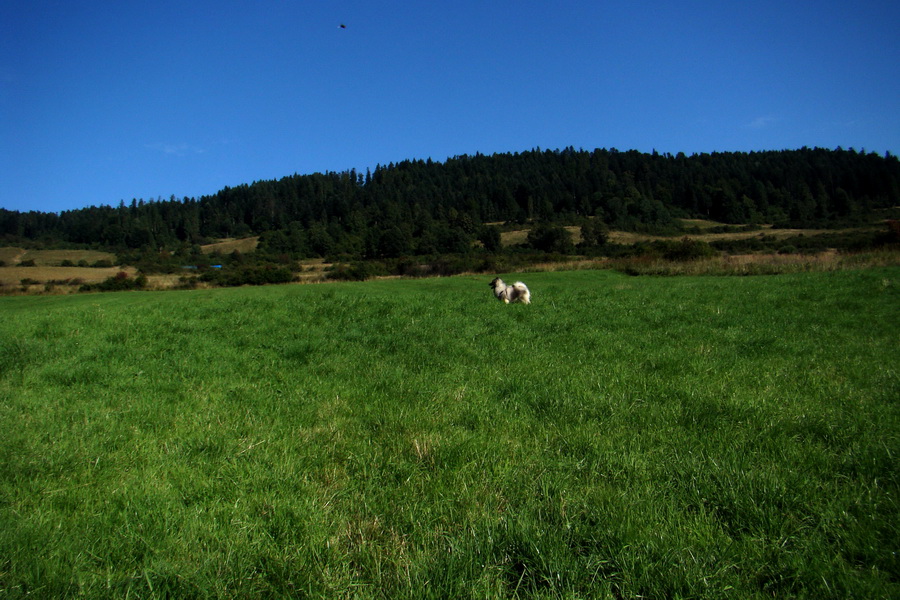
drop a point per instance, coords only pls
(622, 437)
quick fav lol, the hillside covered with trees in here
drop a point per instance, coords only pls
(423, 207)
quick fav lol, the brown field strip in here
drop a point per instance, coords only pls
(61, 277)
(520, 236)
(227, 246)
(12, 256)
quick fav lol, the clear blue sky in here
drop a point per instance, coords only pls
(114, 100)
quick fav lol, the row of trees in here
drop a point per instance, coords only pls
(428, 207)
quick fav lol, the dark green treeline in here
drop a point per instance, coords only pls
(425, 207)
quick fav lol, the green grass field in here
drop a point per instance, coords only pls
(622, 437)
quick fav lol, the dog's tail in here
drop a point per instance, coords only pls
(523, 293)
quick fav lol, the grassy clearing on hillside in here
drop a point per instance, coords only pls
(54, 279)
(620, 437)
(11, 256)
(704, 233)
(46, 271)
(227, 246)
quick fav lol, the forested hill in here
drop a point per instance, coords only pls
(428, 206)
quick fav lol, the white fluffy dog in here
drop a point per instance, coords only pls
(517, 292)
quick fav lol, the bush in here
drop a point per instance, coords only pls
(187, 283)
(688, 249)
(259, 275)
(550, 238)
(594, 232)
(357, 271)
(119, 282)
(490, 238)
(891, 236)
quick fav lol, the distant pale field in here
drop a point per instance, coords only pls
(623, 237)
(12, 256)
(519, 236)
(47, 268)
(51, 258)
(12, 276)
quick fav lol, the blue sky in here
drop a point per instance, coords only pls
(102, 102)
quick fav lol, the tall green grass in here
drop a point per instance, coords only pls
(621, 437)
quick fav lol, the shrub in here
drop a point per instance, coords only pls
(441, 266)
(259, 275)
(490, 238)
(688, 249)
(594, 232)
(118, 282)
(357, 271)
(187, 283)
(891, 236)
(550, 238)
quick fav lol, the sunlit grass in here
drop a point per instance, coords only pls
(620, 437)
